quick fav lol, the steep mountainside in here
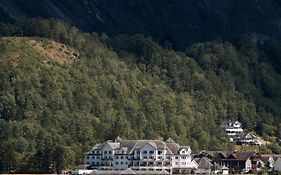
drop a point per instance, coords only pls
(62, 91)
(180, 22)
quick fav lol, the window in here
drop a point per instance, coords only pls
(121, 157)
(117, 157)
(159, 152)
(87, 157)
(145, 157)
(151, 152)
(138, 152)
(121, 163)
(183, 163)
(184, 157)
(126, 163)
(98, 157)
(109, 152)
(93, 157)
(105, 152)
(177, 163)
(159, 157)
(117, 163)
(144, 152)
(176, 157)
(151, 157)
(88, 163)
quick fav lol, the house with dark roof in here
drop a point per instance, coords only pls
(237, 162)
(140, 155)
(207, 166)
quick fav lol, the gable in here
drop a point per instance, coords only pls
(147, 146)
(107, 147)
(231, 156)
(221, 156)
(183, 151)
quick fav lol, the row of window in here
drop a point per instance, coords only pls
(138, 152)
(151, 157)
(144, 157)
(150, 152)
(122, 157)
(182, 163)
(183, 157)
(100, 152)
(121, 163)
(142, 164)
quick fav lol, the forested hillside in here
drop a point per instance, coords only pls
(62, 91)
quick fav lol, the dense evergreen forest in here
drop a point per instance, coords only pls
(62, 91)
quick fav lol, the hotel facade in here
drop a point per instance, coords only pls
(150, 155)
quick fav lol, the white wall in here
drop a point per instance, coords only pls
(148, 149)
(277, 165)
(120, 162)
(248, 165)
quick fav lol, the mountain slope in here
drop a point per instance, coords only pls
(57, 100)
(179, 22)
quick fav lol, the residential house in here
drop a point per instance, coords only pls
(248, 139)
(236, 134)
(205, 166)
(233, 130)
(140, 155)
(237, 162)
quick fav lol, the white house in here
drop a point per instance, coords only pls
(233, 130)
(153, 155)
(236, 134)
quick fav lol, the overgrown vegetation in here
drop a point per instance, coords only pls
(52, 112)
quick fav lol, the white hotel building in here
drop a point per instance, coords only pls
(152, 155)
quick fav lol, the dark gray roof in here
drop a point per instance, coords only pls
(204, 163)
(229, 154)
(173, 147)
(128, 146)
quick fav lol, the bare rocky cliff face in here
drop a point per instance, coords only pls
(180, 22)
